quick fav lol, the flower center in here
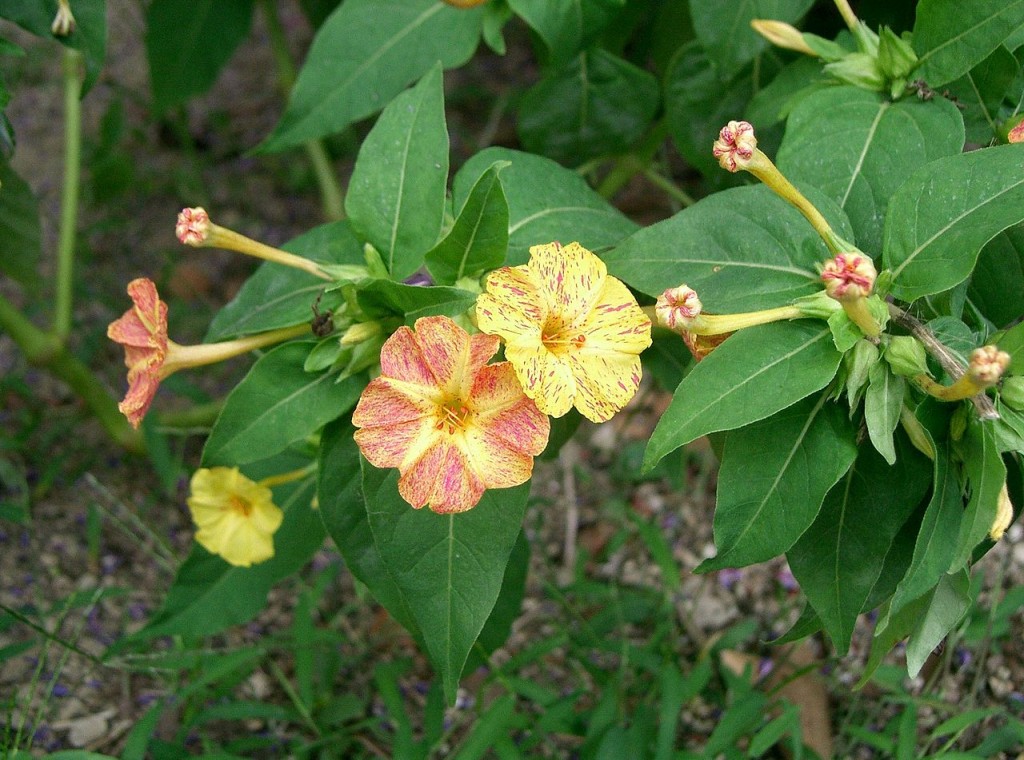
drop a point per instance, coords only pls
(452, 416)
(240, 505)
(560, 341)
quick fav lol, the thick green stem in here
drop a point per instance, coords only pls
(46, 351)
(69, 193)
(330, 191)
(634, 163)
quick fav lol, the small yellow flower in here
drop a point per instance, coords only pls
(236, 517)
(572, 332)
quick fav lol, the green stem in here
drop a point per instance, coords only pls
(634, 163)
(45, 350)
(69, 192)
(330, 191)
(670, 187)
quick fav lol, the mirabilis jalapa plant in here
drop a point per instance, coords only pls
(858, 359)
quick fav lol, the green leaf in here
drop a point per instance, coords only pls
(449, 568)
(565, 26)
(19, 228)
(595, 105)
(753, 374)
(724, 30)
(898, 626)
(1012, 342)
(384, 298)
(882, 404)
(280, 296)
(853, 144)
(275, 404)
(980, 94)
(942, 216)
(997, 283)
(188, 42)
(209, 595)
(478, 241)
(366, 53)
(839, 558)
(506, 610)
(951, 37)
(986, 475)
(546, 202)
(745, 249)
(776, 100)
(396, 195)
(774, 476)
(950, 600)
(343, 510)
(936, 542)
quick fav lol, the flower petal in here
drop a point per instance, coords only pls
(503, 411)
(442, 480)
(616, 322)
(512, 306)
(388, 402)
(605, 382)
(148, 306)
(393, 445)
(142, 387)
(545, 378)
(570, 277)
(402, 358)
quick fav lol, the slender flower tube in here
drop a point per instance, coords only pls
(679, 309)
(195, 229)
(987, 364)
(151, 356)
(1004, 515)
(736, 149)
(451, 423)
(573, 333)
(64, 22)
(236, 517)
(849, 278)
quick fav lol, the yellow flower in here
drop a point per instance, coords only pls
(451, 423)
(572, 332)
(236, 517)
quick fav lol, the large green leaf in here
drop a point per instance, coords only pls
(478, 241)
(742, 249)
(839, 558)
(276, 404)
(396, 195)
(773, 478)
(882, 404)
(939, 219)
(723, 27)
(384, 298)
(753, 374)
(449, 568)
(565, 26)
(946, 606)
(364, 54)
(997, 282)
(980, 93)
(343, 510)
(188, 42)
(950, 37)
(986, 475)
(19, 228)
(853, 145)
(936, 543)
(546, 202)
(209, 595)
(279, 296)
(595, 105)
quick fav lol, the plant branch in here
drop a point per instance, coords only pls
(69, 193)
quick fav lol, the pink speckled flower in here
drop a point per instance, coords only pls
(452, 424)
(573, 332)
(735, 145)
(849, 276)
(142, 330)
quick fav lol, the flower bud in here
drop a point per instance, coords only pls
(193, 226)
(1004, 515)
(987, 365)
(735, 145)
(1012, 130)
(896, 58)
(858, 69)
(360, 332)
(849, 276)
(678, 307)
(1012, 392)
(906, 356)
(782, 35)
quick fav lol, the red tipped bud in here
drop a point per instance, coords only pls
(678, 307)
(735, 145)
(849, 276)
(987, 365)
(193, 227)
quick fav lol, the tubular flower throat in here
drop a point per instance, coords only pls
(572, 332)
(452, 424)
(236, 517)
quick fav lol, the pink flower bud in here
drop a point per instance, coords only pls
(678, 307)
(735, 145)
(987, 365)
(1016, 135)
(193, 227)
(849, 276)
